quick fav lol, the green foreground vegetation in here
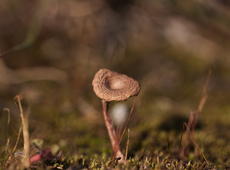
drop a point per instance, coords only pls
(154, 141)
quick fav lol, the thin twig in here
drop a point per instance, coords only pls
(127, 145)
(17, 140)
(7, 130)
(25, 131)
(7, 110)
(121, 134)
(15, 147)
(204, 93)
(188, 136)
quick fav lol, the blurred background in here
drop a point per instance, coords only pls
(51, 49)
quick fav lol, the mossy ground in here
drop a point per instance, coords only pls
(78, 142)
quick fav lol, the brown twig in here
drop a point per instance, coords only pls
(25, 131)
(127, 145)
(17, 140)
(9, 76)
(122, 133)
(14, 148)
(188, 136)
(7, 130)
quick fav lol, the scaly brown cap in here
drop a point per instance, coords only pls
(113, 86)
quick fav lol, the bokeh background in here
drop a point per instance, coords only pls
(51, 49)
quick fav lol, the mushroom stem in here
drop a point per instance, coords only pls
(112, 133)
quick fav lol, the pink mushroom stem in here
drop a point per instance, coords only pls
(112, 133)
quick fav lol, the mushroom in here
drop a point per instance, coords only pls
(112, 86)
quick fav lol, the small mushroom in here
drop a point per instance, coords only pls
(111, 86)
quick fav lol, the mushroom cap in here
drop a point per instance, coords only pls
(113, 86)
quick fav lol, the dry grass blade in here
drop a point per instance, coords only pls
(25, 131)
(204, 96)
(127, 145)
(14, 148)
(17, 140)
(8, 124)
(124, 128)
(188, 136)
